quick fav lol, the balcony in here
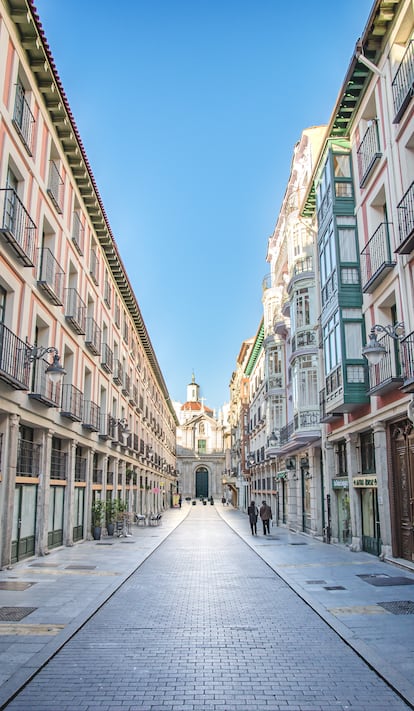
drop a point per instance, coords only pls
(133, 400)
(72, 400)
(105, 429)
(407, 361)
(323, 414)
(403, 83)
(14, 369)
(376, 260)
(55, 187)
(93, 336)
(126, 386)
(28, 458)
(75, 311)
(386, 375)
(58, 465)
(91, 415)
(97, 476)
(23, 119)
(405, 210)
(304, 339)
(80, 468)
(78, 233)
(107, 359)
(42, 388)
(17, 227)
(51, 275)
(368, 153)
(118, 376)
(94, 265)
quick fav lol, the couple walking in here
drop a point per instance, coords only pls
(265, 514)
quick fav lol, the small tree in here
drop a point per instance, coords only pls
(111, 510)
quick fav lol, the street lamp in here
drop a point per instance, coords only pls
(55, 371)
(273, 439)
(374, 351)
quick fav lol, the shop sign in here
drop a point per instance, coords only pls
(340, 483)
(362, 482)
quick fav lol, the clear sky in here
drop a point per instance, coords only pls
(189, 111)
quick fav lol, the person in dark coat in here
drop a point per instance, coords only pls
(252, 512)
(265, 515)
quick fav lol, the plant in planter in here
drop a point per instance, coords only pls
(98, 510)
(111, 509)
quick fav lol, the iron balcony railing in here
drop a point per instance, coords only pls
(405, 210)
(78, 233)
(118, 376)
(368, 152)
(376, 259)
(107, 358)
(72, 401)
(134, 396)
(23, 119)
(107, 293)
(28, 458)
(403, 83)
(407, 362)
(126, 386)
(17, 227)
(91, 416)
(94, 265)
(75, 311)
(105, 428)
(93, 336)
(55, 186)
(14, 367)
(43, 388)
(386, 374)
(302, 266)
(51, 276)
(80, 468)
(58, 465)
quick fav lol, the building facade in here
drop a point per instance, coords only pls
(107, 430)
(203, 448)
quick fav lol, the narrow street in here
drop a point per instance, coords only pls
(205, 625)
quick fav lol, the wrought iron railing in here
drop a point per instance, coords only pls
(55, 186)
(80, 468)
(17, 227)
(376, 255)
(405, 210)
(78, 233)
(51, 276)
(91, 415)
(368, 152)
(75, 311)
(403, 82)
(94, 265)
(43, 388)
(14, 367)
(107, 358)
(72, 401)
(389, 366)
(93, 335)
(23, 119)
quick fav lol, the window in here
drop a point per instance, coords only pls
(342, 467)
(201, 446)
(23, 118)
(367, 452)
(302, 308)
(332, 343)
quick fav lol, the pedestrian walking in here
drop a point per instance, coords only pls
(223, 500)
(253, 513)
(265, 515)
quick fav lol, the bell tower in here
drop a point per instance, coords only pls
(192, 390)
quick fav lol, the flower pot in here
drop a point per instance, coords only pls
(110, 527)
(96, 532)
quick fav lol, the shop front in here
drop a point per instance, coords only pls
(366, 487)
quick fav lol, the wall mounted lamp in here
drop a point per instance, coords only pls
(273, 440)
(55, 371)
(375, 351)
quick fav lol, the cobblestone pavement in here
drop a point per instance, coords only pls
(205, 625)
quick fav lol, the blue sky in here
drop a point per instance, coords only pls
(189, 111)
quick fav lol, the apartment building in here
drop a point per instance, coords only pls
(85, 413)
(362, 201)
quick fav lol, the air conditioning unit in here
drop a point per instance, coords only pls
(290, 463)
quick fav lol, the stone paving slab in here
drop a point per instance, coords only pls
(204, 624)
(70, 584)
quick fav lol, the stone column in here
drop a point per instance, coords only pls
(381, 467)
(9, 485)
(70, 494)
(88, 494)
(43, 495)
(354, 468)
(329, 473)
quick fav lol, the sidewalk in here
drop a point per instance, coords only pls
(369, 603)
(59, 592)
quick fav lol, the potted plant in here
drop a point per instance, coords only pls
(111, 510)
(98, 510)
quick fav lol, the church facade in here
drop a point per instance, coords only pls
(203, 450)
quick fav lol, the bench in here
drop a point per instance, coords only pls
(140, 519)
(154, 519)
